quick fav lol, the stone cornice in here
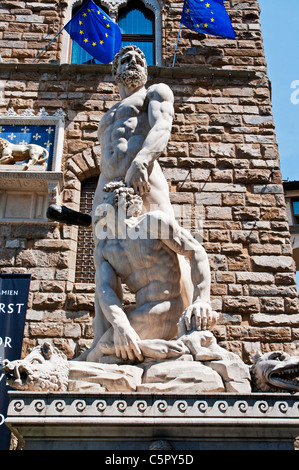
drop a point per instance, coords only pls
(154, 71)
(226, 415)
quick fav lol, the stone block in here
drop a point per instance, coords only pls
(45, 330)
(259, 120)
(219, 236)
(80, 301)
(35, 19)
(232, 248)
(200, 174)
(225, 120)
(219, 213)
(248, 151)
(274, 263)
(292, 305)
(273, 213)
(222, 150)
(175, 174)
(246, 213)
(222, 175)
(37, 258)
(241, 304)
(254, 278)
(252, 176)
(224, 188)
(263, 319)
(72, 330)
(239, 263)
(244, 236)
(268, 189)
(264, 249)
(218, 262)
(272, 304)
(183, 376)
(52, 301)
(226, 277)
(233, 199)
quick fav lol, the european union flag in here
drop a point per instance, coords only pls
(208, 17)
(95, 32)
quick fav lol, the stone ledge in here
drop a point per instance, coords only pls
(154, 71)
(66, 417)
(26, 195)
(15, 179)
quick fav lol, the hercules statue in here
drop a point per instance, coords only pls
(132, 135)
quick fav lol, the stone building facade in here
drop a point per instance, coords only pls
(222, 165)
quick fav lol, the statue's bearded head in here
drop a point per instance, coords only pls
(129, 67)
(123, 198)
(120, 205)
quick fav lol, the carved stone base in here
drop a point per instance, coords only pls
(112, 421)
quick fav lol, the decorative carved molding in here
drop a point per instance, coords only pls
(65, 418)
(42, 113)
(219, 406)
(113, 6)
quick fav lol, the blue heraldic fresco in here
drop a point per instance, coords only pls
(43, 135)
(208, 17)
(93, 30)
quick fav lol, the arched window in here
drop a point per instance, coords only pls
(137, 25)
(138, 20)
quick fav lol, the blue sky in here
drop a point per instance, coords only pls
(280, 28)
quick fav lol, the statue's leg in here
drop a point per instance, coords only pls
(101, 348)
(158, 199)
(6, 158)
(156, 349)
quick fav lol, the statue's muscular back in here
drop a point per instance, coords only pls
(122, 132)
(137, 261)
(151, 271)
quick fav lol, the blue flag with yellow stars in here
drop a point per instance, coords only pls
(208, 17)
(95, 32)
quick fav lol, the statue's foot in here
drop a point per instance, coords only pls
(203, 346)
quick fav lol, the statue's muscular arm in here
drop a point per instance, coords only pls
(125, 337)
(160, 115)
(183, 243)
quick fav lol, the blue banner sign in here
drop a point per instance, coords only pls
(14, 291)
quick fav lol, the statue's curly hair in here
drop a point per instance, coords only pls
(124, 50)
(118, 192)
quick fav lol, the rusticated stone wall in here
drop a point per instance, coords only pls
(222, 165)
(26, 27)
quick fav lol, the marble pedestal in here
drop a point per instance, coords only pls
(132, 422)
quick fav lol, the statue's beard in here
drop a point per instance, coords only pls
(132, 78)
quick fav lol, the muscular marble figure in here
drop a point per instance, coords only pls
(145, 257)
(133, 134)
(135, 131)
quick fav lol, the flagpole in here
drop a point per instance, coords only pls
(48, 44)
(177, 43)
(59, 32)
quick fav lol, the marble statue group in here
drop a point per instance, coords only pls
(164, 342)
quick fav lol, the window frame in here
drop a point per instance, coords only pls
(113, 7)
(295, 215)
(150, 38)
